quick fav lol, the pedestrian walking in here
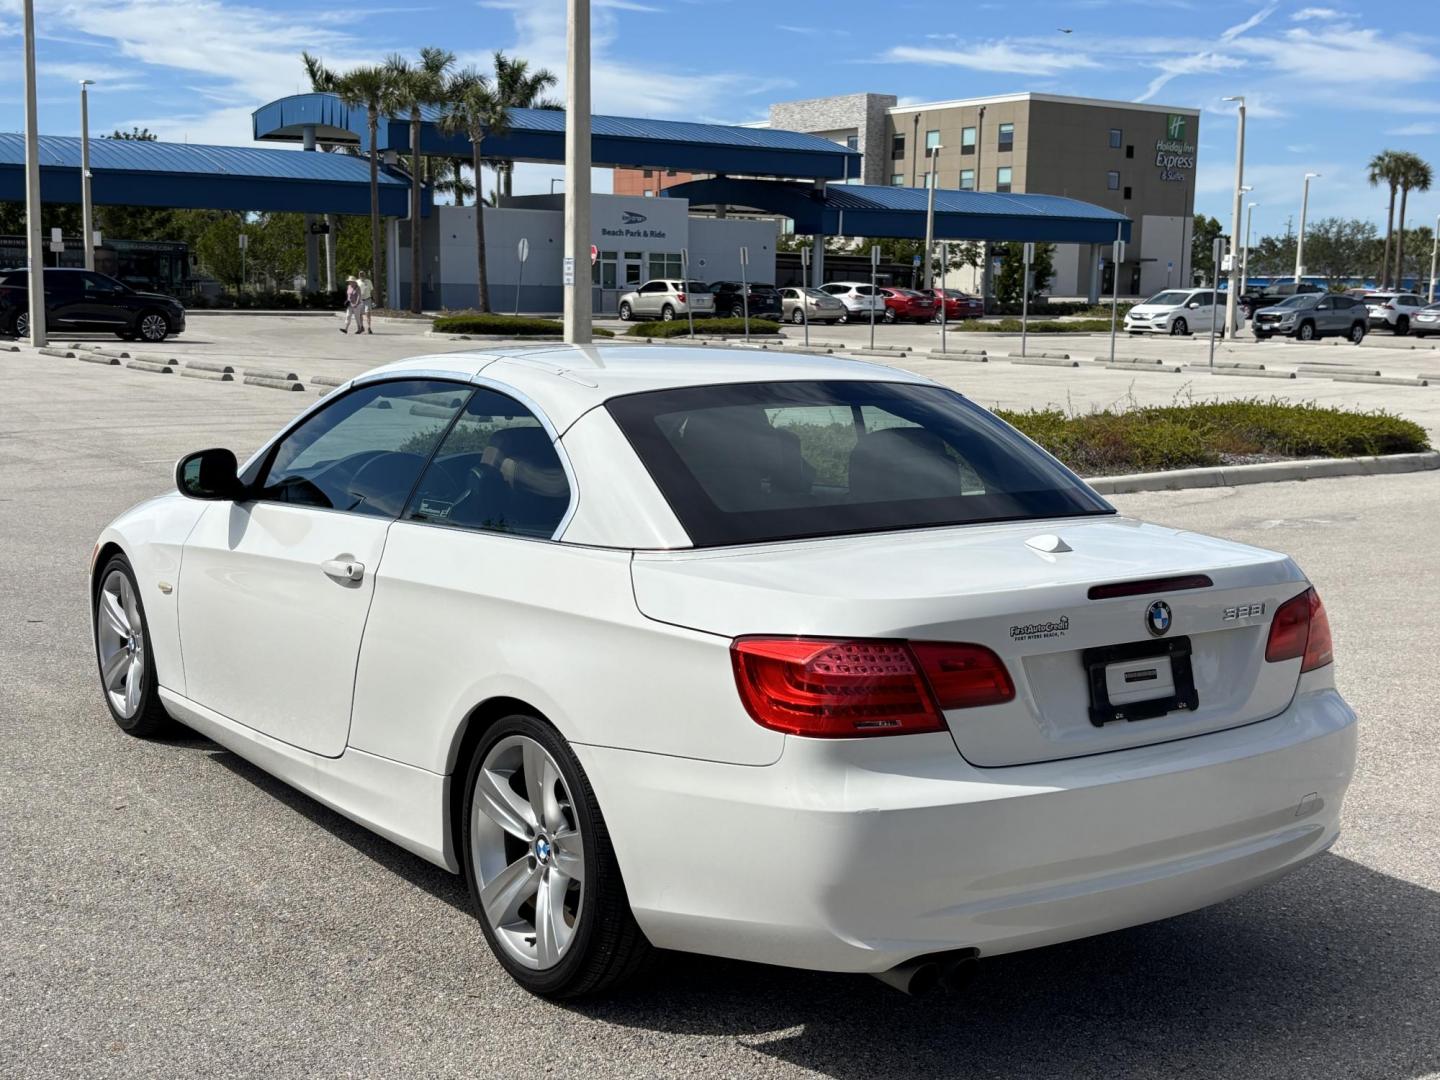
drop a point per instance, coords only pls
(352, 306)
(367, 301)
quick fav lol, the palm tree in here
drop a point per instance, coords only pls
(1415, 174)
(518, 87)
(324, 81)
(370, 88)
(473, 108)
(1385, 166)
(415, 86)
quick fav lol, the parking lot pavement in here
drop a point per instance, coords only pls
(166, 909)
(307, 346)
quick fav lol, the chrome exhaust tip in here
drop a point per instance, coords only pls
(948, 971)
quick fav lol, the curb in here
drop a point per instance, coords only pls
(273, 384)
(1269, 472)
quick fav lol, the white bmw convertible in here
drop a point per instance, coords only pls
(789, 659)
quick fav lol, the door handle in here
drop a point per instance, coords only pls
(343, 569)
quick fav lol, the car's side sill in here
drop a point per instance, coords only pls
(400, 802)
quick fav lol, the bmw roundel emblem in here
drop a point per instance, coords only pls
(1157, 618)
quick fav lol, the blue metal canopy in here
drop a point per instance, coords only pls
(128, 172)
(539, 135)
(864, 210)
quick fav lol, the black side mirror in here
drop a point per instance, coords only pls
(209, 474)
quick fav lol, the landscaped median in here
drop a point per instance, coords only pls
(489, 324)
(681, 328)
(1210, 434)
(1036, 326)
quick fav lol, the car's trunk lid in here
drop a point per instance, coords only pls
(1017, 590)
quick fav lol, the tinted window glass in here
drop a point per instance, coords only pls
(496, 470)
(62, 283)
(364, 453)
(100, 285)
(775, 461)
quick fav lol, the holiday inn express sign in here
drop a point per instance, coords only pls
(1174, 153)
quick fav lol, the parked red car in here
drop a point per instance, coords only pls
(958, 305)
(907, 304)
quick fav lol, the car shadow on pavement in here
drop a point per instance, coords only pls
(439, 883)
(1331, 972)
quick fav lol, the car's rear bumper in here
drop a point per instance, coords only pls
(856, 855)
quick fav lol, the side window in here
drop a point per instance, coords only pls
(364, 452)
(1205, 299)
(99, 285)
(1325, 305)
(496, 470)
(653, 287)
(62, 284)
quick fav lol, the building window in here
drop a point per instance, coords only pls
(852, 142)
(1127, 194)
(1130, 151)
(664, 264)
(1117, 137)
(967, 179)
(967, 140)
(1112, 181)
(607, 270)
(649, 193)
(897, 179)
(897, 147)
(1007, 136)
(932, 140)
(649, 173)
(1002, 178)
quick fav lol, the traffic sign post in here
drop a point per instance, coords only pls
(1117, 256)
(522, 252)
(1025, 297)
(244, 242)
(745, 289)
(804, 295)
(944, 268)
(1217, 251)
(874, 291)
(685, 288)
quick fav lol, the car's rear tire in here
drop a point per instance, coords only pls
(1305, 332)
(1357, 333)
(1179, 328)
(1402, 326)
(541, 868)
(152, 326)
(625, 313)
(797, 317)
(123, 653)
(843, 318)
(890, 315)
(667, 313)
(20, 324)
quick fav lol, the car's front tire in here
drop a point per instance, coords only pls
(20, 324)
(1179, 328)
(1305, 331)
(1357, 333)
(890, 315)
(152, 326)
(625, 313)
(124, 654)
(540, 866)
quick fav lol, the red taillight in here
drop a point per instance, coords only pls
(1301, 628)
(827, 688)
(680, 297)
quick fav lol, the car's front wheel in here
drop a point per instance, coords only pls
(1179, 328)
(626, 314)
(153, 326)
(844, 317)
(1357, 333)
(124, 654)
(1306, 331)
(540, 866)
(890, 315)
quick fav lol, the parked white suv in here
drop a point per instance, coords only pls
(1393, 310)
(1174, 311)
(859, 298)
(665, 299)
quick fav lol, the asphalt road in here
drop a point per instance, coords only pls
(168, 910)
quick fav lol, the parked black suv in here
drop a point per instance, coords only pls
(730, 302)
(1252, 300)
(85, 300)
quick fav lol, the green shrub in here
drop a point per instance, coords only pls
(681, 327)
(1158, 437)
(503, 325)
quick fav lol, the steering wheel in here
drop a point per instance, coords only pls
(384, 479)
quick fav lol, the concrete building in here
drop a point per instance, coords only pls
(1138, 160)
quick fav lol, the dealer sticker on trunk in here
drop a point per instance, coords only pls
(1040, 631)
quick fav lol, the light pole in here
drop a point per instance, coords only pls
(1245, 253)
(933, 156)
(555, 180)
(87, 208)
(1434, 249)
(1300, 237)
(1230, 295)
(576, 267)
(36, 311)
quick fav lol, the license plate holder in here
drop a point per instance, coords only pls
(1098, 663)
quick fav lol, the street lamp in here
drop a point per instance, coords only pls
(36, 312)
(1231, 329)
(932, 153)
(87, 208)
(555, 180)
(575, 275)
(1300, 238)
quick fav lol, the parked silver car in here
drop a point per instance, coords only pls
(662, 298)
(798, 304)
(1393, 310)
(1426, 321)
(1307, 316)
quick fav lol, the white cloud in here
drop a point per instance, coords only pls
(1421, 128)
(1249, 24)
(1312, 13)
(1345, 55)
(995, 56)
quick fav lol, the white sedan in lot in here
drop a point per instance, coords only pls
(1176, 311)
(795, 660)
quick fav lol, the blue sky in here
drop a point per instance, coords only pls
(1327, 84)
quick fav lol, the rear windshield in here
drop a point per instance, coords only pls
(691, 286)
(781, 461)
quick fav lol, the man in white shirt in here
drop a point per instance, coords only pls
(367, 303)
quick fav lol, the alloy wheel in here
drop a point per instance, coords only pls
(528, 852)
(153, 327)
(22, 324)
(120, 640)
(1179, 328)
